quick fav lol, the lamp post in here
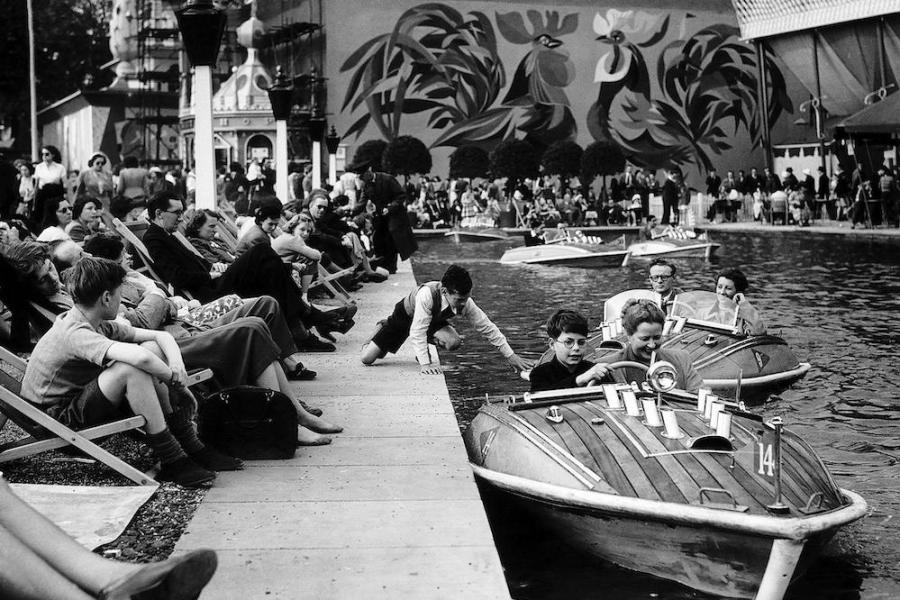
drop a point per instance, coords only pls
(332, 140)
(316, 133)
(202, 25)
(280, 95)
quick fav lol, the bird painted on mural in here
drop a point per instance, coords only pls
(535, 103)
(699, 77)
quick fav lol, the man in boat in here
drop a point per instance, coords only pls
(424, 315)
(662, 281)
(535, 235)
(567, 332)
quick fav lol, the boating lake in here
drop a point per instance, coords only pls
(835, 299)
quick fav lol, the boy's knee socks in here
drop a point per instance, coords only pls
(165, 446)
(184, 431)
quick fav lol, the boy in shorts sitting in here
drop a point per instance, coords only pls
(424, 316)
(88, 369)
(567, 331)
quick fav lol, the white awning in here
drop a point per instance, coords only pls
(765, 18)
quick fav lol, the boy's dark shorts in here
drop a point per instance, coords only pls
(394, 331)
(87, 408)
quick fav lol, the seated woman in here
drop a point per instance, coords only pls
(643, 322)
(86, 219)
(57, 213)
(291, 246)
(732, 283)
(200, 230)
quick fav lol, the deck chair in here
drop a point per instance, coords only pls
(46, 433)
(186, 243)
(128, 234)
(331, 282)
(778, 208)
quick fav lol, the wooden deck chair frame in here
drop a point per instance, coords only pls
(331, 283)
(186, 243)
(32, 418)
(139, 247)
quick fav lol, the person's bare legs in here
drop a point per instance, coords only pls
(124, 381)
(311, 426)
(40, 561)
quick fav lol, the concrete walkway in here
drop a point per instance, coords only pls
(388, 510)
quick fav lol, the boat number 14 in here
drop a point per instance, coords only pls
(765, 454)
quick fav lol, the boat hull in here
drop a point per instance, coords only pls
(716, 561)
(656, 249)
(476, 235)
(574, 255)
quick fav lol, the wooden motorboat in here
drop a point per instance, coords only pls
(476, 234)
(694, 490)
(569, 254)
(479, 228)
(704, 324)
(675, 243)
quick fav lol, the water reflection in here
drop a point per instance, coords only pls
(835, 300)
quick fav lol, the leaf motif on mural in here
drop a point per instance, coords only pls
(707, 90)
(439, 62)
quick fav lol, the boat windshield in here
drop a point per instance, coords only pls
(612, 308)
(705, 306)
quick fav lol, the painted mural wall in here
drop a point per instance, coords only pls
(668, 86)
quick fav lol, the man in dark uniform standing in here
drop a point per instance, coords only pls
(392, 234)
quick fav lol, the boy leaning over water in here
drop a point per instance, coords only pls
(567, 331)
(87, 366)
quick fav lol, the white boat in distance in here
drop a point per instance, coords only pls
(568, 254)
(676, 243)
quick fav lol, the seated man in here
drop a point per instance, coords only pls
(424, 315)
(662, 281)
(88, 366)
(258, 272)
(340, 234)
(732, 283)
(567, 332)
(535, 234)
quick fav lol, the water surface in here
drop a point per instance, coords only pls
(836, 300)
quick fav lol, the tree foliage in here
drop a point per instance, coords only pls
(370, 152)
(515, 160)
(601, 158)
(562, 158)
(406, 155)
(71, 43)
(468, 162)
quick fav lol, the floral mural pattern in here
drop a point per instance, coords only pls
(445, 65)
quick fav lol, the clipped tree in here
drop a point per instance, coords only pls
(516, 160)
(370, 152)
(562, 158)
(406, 155)
(601, 158)
(468, 162)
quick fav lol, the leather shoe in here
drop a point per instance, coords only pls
(179, 578)
(186, 473)
(213, 460)
(301, 373)
(314, 344)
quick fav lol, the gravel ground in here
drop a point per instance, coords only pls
(158, 524)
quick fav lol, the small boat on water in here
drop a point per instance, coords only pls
(675, 243)
(732, 364)
(479, 228)
(686, 488)
(569, 251)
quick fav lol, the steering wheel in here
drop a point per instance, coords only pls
(620, 364)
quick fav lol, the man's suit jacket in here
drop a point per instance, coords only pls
(178, 265)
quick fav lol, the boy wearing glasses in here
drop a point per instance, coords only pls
(567, 331)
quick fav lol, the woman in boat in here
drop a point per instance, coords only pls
(643, 322)
(732, 283)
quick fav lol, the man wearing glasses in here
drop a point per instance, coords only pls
(662, 281)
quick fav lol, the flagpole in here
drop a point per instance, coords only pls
(32, 87)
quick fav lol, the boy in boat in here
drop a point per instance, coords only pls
(567, 336)
(423, 316)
